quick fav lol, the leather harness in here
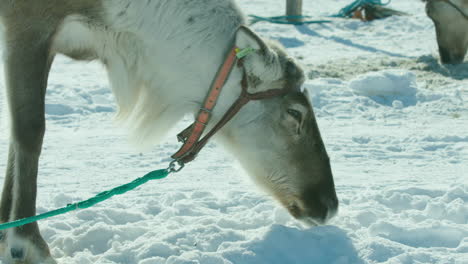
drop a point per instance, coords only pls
(192, 144)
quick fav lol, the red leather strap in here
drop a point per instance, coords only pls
(243, 99)
(204, 114)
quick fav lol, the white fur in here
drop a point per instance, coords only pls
(164, 67)
(162, 56)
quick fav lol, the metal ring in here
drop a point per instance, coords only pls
(173, 166)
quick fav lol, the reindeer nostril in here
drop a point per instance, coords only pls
(329, 207)
(333, 203)
(294, 210)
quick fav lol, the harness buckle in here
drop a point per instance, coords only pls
(183, 136)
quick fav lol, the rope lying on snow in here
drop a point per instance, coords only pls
(154, 175)
(289, 20)
(347, 11)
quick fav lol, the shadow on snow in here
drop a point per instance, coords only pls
(281, 244)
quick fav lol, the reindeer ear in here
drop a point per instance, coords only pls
(263, 64)
(246, 38)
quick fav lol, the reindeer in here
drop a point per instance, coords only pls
(450, 18)
(161, 57)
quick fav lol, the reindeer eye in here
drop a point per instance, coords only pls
(295, 114)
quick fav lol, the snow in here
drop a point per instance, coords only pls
(394, 87)
(393, 119)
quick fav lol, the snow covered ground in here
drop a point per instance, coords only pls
(395, 125)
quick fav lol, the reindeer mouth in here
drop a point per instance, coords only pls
(449, 58)
(311, 222)
(299, 214)
(313, 212)
(295, 211)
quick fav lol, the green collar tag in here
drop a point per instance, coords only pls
(241, 53)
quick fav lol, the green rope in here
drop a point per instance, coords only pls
(154, 175)
(348, 10)
(287, 20)
(300, 20)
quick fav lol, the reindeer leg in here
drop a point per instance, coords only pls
(28, 61)
(5, 204)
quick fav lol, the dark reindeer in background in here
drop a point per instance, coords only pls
(450, 18)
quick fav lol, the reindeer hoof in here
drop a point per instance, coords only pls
(17, 253)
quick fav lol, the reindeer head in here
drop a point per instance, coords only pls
(450, 18)
(277, 140)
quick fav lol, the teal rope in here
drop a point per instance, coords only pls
(349, 9)
(285, 20)
(154, 175)
(345, 12)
